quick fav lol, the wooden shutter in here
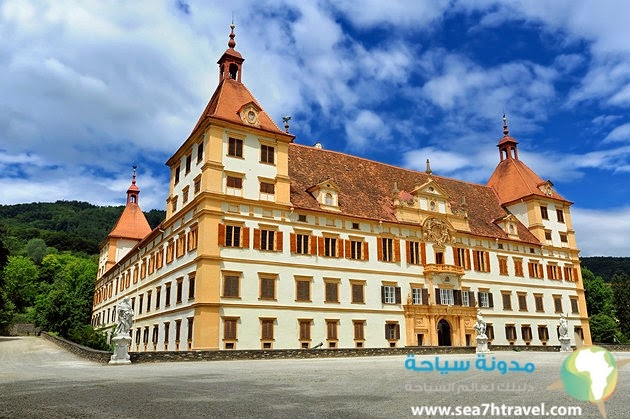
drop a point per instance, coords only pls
(530, 269)
(490, 300)
(396, 250)
(559, 270)
(438, 298)
(279, 241)
(549, 275)
(457, 297)
(221, 234)
(365, 251)
(398, 295)
(348, 250)
(320, 247)
(340, 247)
(475, 260)
(471, 299)
(423, 252)
(397, 331)
(293, 239)
(575, 275)
(257, 238)
(487, 257)
(245, 237)
(383, 294)
(379, 248)
(467, 259)
(456, 256)
(312, 243)
(408, 251)
(425, 296)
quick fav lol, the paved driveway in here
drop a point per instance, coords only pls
(40, 380)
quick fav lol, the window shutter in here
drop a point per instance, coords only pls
(256, 238)
(382, 294)
(279, 241)
(408, 251)
(490, 300)
(475, 260)
(487, 257)
(398, 296)
(438, 298)
(423, 253)
(457, 297)
(312, 242)
(456, 256)
(245, 237)
(397, 331)
(549, 275)
(559, 270)
(575, 274)
(221, 234)
(293, 239)
(530, 269)
(379, 248)
(340, 247)
(425, 296)
(348, 251)
(365, 255)
(471, 298)
(467, 259)
(320, 246)
(396, 250)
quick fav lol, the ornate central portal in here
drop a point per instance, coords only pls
(439, 325)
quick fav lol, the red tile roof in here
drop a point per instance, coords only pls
(366, 189)
(132, 224)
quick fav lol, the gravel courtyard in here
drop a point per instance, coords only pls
(40, 380)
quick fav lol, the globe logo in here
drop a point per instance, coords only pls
(589, 374)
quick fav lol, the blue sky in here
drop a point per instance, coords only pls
(90, 88)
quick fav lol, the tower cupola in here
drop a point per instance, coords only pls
(133, 191)
(231, 61)
(507, 145)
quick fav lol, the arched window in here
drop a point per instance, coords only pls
(329, 199)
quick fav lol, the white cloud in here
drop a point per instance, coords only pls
(602, 232)
(365, 130)
(620, 133)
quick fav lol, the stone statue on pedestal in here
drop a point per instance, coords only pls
(563, 332)
(482, 339)
(121, 337)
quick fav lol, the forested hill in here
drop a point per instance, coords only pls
(65, 225)
(606, 266)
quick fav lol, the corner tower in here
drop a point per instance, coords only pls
(131, 227)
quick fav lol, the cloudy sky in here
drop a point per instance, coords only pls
(89, 88)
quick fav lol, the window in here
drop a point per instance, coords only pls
(235, 147)
(178, 330)
(190, 329)
(507, 300)
(392, 331)
(267, 288)
(564, 238)
(357, 293)
(569, 273)
(490, 331)
(557, 303)
(159, 258)
(522, 302)
(387, 249)
(185, 195)
(193, 237)
(390, 294)
(176, 175)
(234, 185)
(267, 191)
(419, 296)
(231, 285)
(359, 329)
(191, 286)
(574, 305)
(199, 152)
(554, 272)
(305, 330)
(302, 245)
(188, 163)
(302, 218)
(466, 298)
(328, 199)
(355, 226)
(174, 204)
(439, 258)
(145, 335)
(181, 245)
(444, 296)
(485, 299)
(332, 291)
(510, 332)
(543, 213)
(197, 185)
(148, 301)
(481, 260)
(140, 303)
(167, 295)
(543, 333)
(154, 334)
(503, 266)
(560, 215)
(229, 329)
(179, 290)
(233, 236)
(303, 290)
(518, 267)
(170, 252)
(414, 253)
(167, 326)
(266, 329)
(356, 248)
(266, 154)
(158, 294)
(535, 269)
(538, 301)
(330, 246)
(267, 240)
(526, 332)
(462, 257)
(548, 235)
(331, 329)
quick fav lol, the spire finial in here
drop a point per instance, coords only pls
(506, 131)
(428, 171)
(232, 42)
(133, 178)
(286, 120)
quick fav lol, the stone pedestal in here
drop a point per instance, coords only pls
(121, 354)
(565, 345)
(482, 345)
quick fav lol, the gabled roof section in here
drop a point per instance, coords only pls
(365, 188)
(512, 180)
(430, 188)
(132, 224)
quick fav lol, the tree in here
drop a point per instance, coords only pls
(621, 288)
(600, 298)
(21, 281)
(36, 249)
(603, 328)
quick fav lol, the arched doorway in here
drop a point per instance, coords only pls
(444, 333)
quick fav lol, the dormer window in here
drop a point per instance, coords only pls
(327, 194)
(329, 199)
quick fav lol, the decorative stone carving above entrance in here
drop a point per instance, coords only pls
(437, 231)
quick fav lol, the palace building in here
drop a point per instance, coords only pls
(268, 244)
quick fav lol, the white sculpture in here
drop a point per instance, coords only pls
(480, 326)
(125, 318)
(564, 327)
